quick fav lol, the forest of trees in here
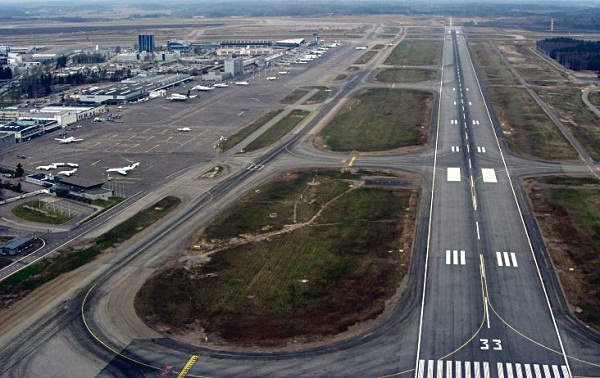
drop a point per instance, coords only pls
(574, 54)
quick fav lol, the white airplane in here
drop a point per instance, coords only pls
(184, 129)
(202, 88)
(241, 83)
(220, 85)
(272, 77)
(47, 167)
(178, 97)
(67, 173)
(72, 165)
(68, 140)
(283, 72)
(222, 139)
(123, 170)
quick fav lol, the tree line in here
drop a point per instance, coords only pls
(576, 55)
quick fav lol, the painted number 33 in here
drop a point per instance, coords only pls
(496, 344)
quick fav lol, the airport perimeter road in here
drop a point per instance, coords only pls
(481, 301)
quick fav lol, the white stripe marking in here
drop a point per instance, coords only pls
(458, 369)
(447, 257)
(547, 371)
(555, 371)
(518, 370)
(449, 369)
(499, 258)
(509, 370)
(483, 149)
(528, 371)
(476, 372)
(506, 259)
(462, 257)
(486, 370)
(421, 369)
(538, 372)
(455, 257)
(440, 369)
(565, 371)
(430, 369)
(500, 370)
(513, 258)
(477, 225)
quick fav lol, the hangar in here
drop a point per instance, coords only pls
(16, 245)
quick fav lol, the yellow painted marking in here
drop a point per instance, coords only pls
(132, 147)
(150, 138)
(153, 147)
(188, 366)
(351, 161)
(132, 137)
(96, 162)
(129, 129)
(169, 138)
(113, 136)
(148, 129)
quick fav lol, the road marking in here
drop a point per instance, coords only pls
(440, 369)
(536, 369)
(555, 371)
(458, 369)
(430, 369)
(489, 175)
(462, 257)
(453, 174)
(500, 370)
(476, 369)
(468, 149)
(453, 89)
(455, 257)
(513, 258)
(352, 161)
(454, 102)
(470, 103)
(565, 371)
(547, 371)
(467, 369)
(421, 369)
(518, 371)
(481, 150)
(528, 371)
(449, 369)
(455, 148)
(188, 366)
(509, 371)
(477, 226)
(506, 259)
(470, 165)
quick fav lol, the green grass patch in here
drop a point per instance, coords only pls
(108, 203)
(527, 128)
(377, 47)
(319, 97)
(294, 96)
(380, 119)
(391, 29)
(366, 57)
(278, 130)
(4, 239)
(66, 260)
(405, 75)
(313, 281)
(568, 212)
(340, 77)
(387, 36)
(37, 211)
(246, 131)
(415, 53)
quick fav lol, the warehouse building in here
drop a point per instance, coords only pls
(16, 245)
(26, 129)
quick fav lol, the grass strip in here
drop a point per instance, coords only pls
(366, 57)
(405, 75)
(319, 97)
(278, 130)
(38, 211)
(415, 53)
(294, 96)
(246, 131)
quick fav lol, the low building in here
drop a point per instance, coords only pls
(6, 139)
(16, 245)
(26, 129)
(72, 187)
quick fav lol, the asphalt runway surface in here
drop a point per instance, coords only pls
(482, 301)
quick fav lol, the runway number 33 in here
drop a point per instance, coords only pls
(496, 344)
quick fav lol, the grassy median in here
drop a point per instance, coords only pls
(278, 130)
(378, 120)
(405, 75)
(246, 131)
(304, 257)
(415, 53)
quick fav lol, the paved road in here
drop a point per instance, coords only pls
(494, 310)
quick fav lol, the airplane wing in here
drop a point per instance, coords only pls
(118, 170)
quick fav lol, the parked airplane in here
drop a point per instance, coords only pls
(222, 139)
(272, 77)
(241, 83)
(123, 170)
(68, 140)
(220, 85)
(72, 165)
(184, 129)
(202, 88)
(47, 167)
(283, 72)
(67, 173)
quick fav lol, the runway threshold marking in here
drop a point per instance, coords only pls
(188, 366)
